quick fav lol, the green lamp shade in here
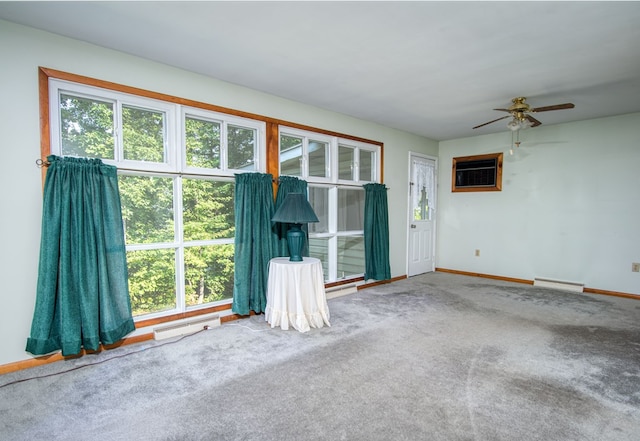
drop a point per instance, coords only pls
(295, 211)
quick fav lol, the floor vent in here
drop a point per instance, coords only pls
(558, 284)
(341, 290)
(188, 326)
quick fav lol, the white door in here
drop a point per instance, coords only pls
(422, 210)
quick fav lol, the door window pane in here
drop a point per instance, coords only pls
(147, 209)
(143, 134)
(202, 139)
(350, 256)
(241, 143)
(318, 158)
(208, 274)
(86, 127)
(422, 193)
(350, 209)
(207, 209)
(345, 162)
(290, 155)
(152, 280)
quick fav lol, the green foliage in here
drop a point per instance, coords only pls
(143, 134)
(241, 145)
(148, 205)
(86, 127)
(288, 142)
(207, 209)
(152, 284)
(208, 215)
(147, 208)
(208, 273)
(202, 143)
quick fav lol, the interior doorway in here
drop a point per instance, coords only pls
(422, 214)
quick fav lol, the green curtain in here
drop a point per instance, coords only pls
(286, 185)
(82, 296)
(254, 241)
(376, 232)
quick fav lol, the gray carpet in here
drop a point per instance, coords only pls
(434, 357)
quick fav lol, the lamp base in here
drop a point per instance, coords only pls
(295, 241)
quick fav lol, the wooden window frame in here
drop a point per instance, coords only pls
(497, 157)
(272, 124)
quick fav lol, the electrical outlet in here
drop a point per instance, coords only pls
(635, 267)
(477, 253)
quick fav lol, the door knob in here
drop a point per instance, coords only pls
(413, 226)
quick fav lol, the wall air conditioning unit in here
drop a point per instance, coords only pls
(186, 326)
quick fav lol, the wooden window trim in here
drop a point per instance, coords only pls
(498, 184)
(272, 124)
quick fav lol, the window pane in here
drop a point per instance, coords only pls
(202, 140)
(366, 165)
(147, 208)
(152, 283)
(241, 148)
(350, 209)
(422, 191)
(208, 274)
(143, 134)
(207, 209)
(319, 200)
(86, 127)
(345, 162)
(319, 248)
(318, 152)
(290, 155)
(350, 256)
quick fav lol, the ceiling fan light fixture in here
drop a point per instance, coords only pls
(514, 125)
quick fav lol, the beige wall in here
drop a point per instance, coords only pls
(568, 210)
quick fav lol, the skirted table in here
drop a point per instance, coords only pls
(295, 294)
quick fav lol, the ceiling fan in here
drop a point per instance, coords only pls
(520, 114)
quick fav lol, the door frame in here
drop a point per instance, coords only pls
(408, 216)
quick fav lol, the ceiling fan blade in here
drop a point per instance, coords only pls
(481, 125)
(502, 110)
(555, 107)
(534, 122)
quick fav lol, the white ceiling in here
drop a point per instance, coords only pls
(431, 68)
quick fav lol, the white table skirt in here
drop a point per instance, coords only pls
(295, 294)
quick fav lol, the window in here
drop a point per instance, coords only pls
(335, 169)
(175, 166)
(356, 162)
(477, 173)
(304, 156)
(176, 162)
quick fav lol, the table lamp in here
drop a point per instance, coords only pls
(295, 211)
